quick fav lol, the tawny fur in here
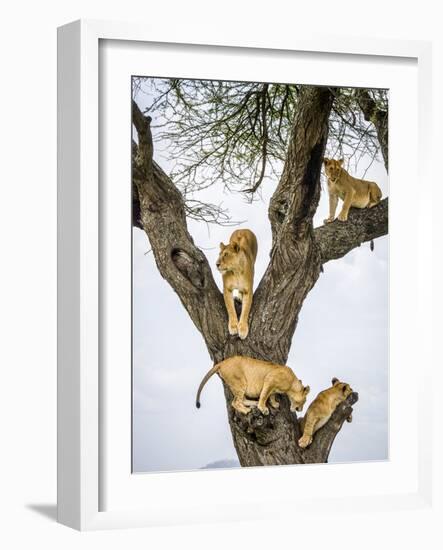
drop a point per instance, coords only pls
(321, 409)
(236, 264)
(353, 192)
(255, 379)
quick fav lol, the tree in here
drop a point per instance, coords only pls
(275, 125)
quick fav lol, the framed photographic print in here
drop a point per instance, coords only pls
(231, 224)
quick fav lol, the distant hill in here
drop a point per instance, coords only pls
(225, 463)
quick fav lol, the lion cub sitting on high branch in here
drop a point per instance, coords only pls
(236, 264)
(352, 191)
(321, 409)
(254, 379)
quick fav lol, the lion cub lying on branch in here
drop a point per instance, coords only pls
(352, 191)
(257, 379)
(321, 409)
(236, 264)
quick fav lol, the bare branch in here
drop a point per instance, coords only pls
(184, 266)
(338, 238)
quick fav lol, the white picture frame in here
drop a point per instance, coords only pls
(83, 443)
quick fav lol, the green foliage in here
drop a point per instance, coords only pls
(236, 134)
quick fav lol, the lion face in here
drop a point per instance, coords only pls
(333, 168)
(342, 388)
(228, 259)
(298, 398)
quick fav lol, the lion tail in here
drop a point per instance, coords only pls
(207, 376)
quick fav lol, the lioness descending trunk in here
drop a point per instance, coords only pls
(248, 377)
(352, 191)
(236, 264)
(321, 409)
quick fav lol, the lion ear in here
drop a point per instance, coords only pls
(222, 246)
(236, 247)
(306, 390)
(325, 160)
(345, 387)
(340, 161)
(335, 381)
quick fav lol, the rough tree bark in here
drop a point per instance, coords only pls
(296, 258)
(379, 118)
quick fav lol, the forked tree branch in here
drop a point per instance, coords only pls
(296, 258)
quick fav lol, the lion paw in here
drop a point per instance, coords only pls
(263, 410)
(328, 220)
(342, 217)
(304, 441)
(233, 328)
(243, 330)
(241, 408)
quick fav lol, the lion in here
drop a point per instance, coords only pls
(256, 379)
(321, 409)
(352, 191)
(236, 264)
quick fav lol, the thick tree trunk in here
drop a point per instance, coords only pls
(296, 257)
(292, 271)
